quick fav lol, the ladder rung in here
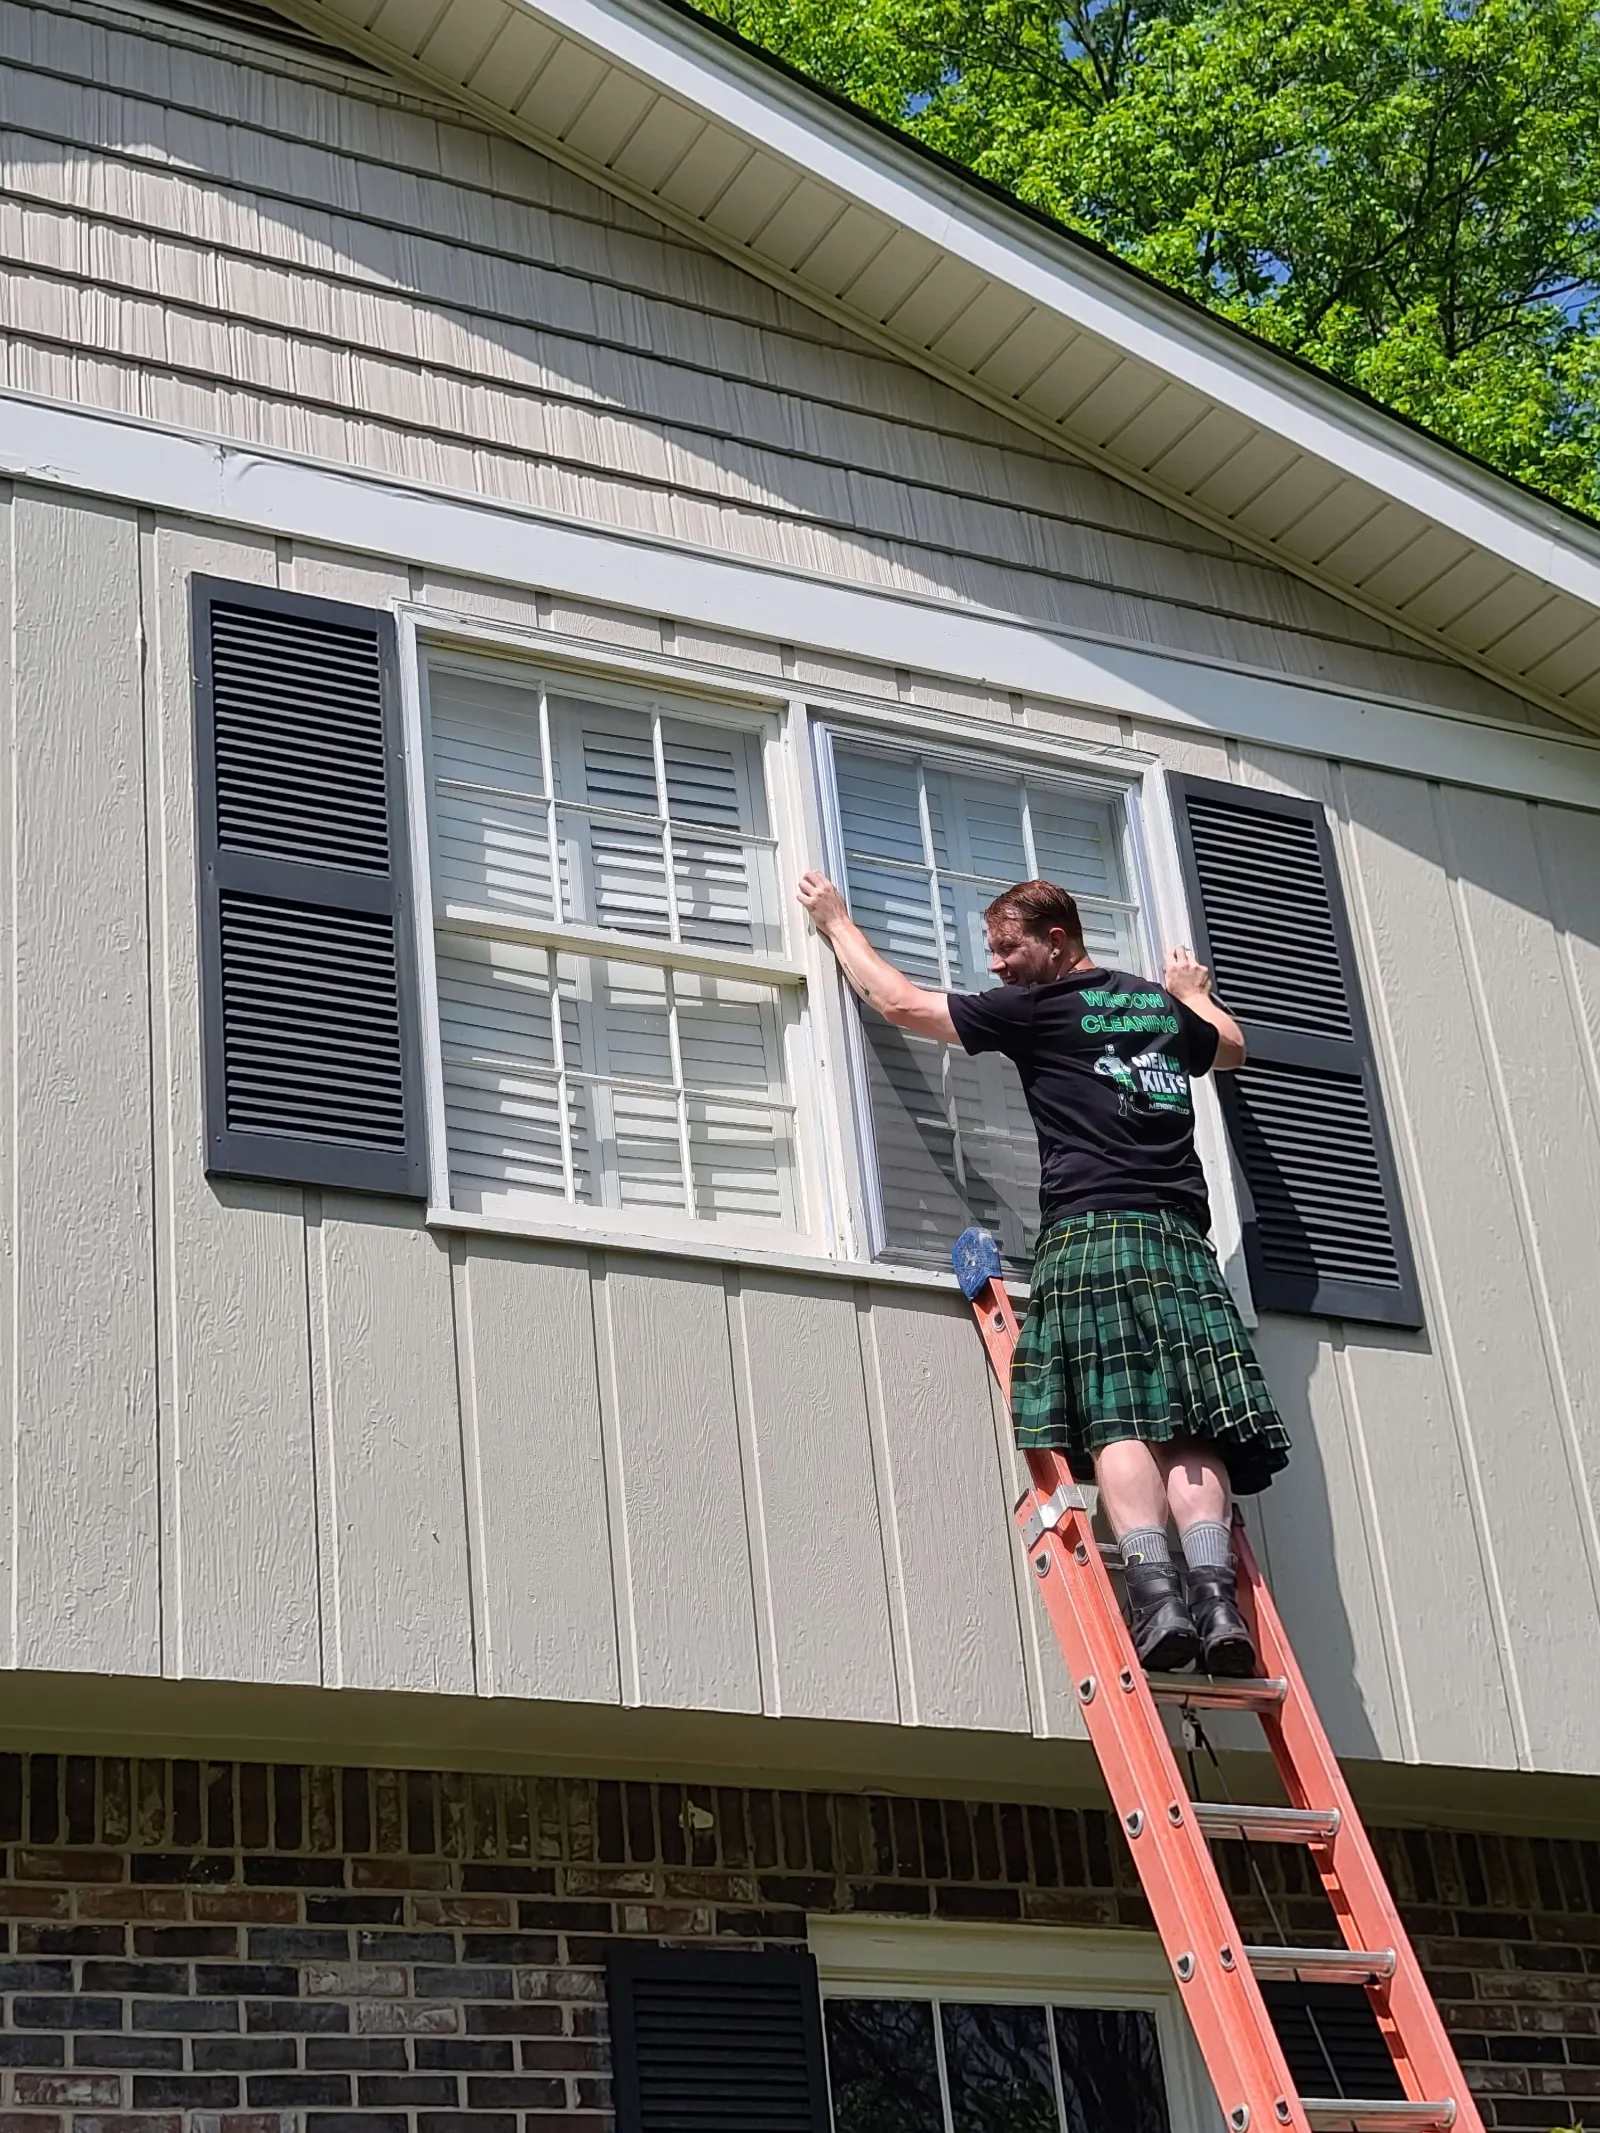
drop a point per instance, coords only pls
(1348, 2114)
(1267, 1825)
(1215, 1692)
(1322, 1966)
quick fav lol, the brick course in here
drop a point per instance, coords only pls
(192, 1947)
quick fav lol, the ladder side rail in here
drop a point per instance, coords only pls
(1349, 1868)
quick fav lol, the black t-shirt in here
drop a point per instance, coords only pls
(1105, 1061)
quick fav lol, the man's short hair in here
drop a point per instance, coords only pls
(1038, 907)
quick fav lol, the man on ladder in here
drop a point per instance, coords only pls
(1133, 1362)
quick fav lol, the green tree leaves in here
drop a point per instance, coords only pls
(1405, 192)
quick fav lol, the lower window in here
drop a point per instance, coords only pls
(960, 2066)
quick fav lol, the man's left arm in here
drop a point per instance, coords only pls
(1190, 982)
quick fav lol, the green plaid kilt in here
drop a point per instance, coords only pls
(1131, 1332)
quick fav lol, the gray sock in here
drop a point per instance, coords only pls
(1206, 1545)
(1146, 1544)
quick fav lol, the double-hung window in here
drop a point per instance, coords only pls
(614, 1009)
(923, 840)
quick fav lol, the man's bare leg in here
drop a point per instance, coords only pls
(1196, 1484)
(1134, 1486)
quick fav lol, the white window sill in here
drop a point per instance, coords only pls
(794, 1260)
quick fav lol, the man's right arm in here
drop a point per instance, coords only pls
(870, 975)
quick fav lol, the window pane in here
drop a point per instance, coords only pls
(725, 894)
(617, 870)
(966, 902)
(605, 756)
(923, 1205)
(894, 909)
(999, 1151)
(998, 2063)
(977, 826)
(625, 1030)
(503, 1105)
(1077, 841)
(882, 2068)
(486, 732)
(490, 824)
(727, 890)
(878, 808)
(724, 879)
(739, 1145)
(638, 1131)
(493, 854)
(1111, 2075)
(709, 779)
(1110, 937)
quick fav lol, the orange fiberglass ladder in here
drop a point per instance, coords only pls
(1169, 1833)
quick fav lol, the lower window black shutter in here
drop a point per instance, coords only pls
(708, 2041)
(1331, 2039)
(1324, 1226)
(308, 992)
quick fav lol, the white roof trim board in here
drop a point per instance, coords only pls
(651, 101)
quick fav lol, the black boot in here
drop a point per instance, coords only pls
(1224, 1635)
(1163, 1635)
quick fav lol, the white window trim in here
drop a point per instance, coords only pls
(968, 754)
(1067, 1966)
(839, 1193)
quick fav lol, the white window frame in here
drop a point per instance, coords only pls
(532, 666)
(836, 1174)
(1058, 1966)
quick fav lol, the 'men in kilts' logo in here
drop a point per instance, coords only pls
(1149, 1082)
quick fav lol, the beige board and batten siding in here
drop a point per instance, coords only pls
(294, 1437)
(289, 1437)
(239, 239)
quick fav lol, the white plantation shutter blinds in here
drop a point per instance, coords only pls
(645, 1086)
(927, 845)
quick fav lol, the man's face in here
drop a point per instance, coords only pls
(1018, 957)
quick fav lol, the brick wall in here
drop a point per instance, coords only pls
(241, 1949)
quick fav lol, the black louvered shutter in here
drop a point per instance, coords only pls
(707, 2040)
(1324, 1227)
(1331, 2039)
(307, 986)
